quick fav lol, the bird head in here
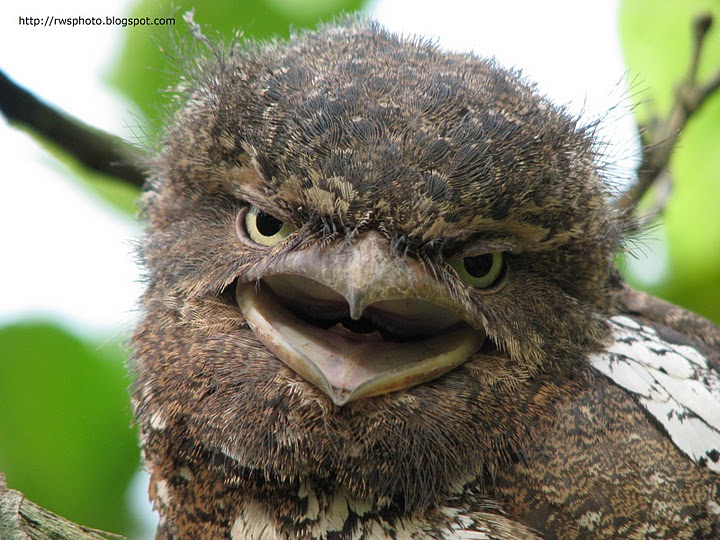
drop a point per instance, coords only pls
(359, 247)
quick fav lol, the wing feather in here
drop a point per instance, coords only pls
(675, 383)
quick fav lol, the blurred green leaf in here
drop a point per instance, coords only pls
(65, 436)
(657, 40)
(120, 195)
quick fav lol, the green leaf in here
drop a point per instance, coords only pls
(65, 435)
(657, 40)
(119, 195)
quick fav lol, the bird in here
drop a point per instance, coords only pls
(382, 302)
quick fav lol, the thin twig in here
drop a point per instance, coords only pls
(94, 148)
(195, 30)
(659, 138)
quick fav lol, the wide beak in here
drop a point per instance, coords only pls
(356, 320)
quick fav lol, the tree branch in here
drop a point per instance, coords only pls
(660, 137)
(94, 148)
(21, 519)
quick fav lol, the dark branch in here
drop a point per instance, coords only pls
(660, 137)
(94, 148)
(21, 519)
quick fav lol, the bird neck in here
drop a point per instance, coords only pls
(195, 503)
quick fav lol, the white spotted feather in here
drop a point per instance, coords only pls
(673, 382)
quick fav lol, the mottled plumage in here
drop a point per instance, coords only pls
(319, 201)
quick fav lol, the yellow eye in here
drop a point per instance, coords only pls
(265, 229)
(481, 271)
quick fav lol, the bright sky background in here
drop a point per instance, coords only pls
(66, 254)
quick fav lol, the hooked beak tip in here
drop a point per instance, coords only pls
(356, 305)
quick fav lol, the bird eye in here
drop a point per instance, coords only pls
(265, 229)
(481, 271)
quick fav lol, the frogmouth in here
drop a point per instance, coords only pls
(382, 302)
